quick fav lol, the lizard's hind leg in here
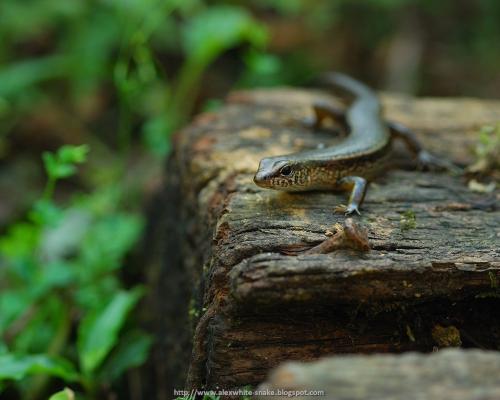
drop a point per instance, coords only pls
(425, 159)
(323, 110)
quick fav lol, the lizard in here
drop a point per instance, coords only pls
(349, 165)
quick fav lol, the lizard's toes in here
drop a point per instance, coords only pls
(347, 210)
(352, 210)
(429, 162)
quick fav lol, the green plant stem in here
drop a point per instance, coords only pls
(19, 324)
(50, 186)
(89, 385)
(185, 90)
(58, 343)
(124, 132)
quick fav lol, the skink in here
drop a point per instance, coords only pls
(350, 164)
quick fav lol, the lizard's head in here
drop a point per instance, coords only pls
(280, 173)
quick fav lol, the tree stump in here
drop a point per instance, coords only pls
(448, 374)
(236, 268)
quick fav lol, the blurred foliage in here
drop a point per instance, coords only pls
(64, 311)
(58, 276)
(66, 394)
(145, 59)
(487, 150)
(194, 396)
(122, 76)
(83, 45)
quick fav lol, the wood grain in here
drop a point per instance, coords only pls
(448, 374)
(257, 299)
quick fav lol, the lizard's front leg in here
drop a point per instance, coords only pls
(357, 185)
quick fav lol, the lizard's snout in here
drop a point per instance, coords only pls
(260, 179)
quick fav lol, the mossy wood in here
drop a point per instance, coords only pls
(236, 287)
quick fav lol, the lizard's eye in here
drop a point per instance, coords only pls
(286, 170)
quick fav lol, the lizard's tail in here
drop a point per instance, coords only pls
(347, 83)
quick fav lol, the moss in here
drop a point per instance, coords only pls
(408, 220)
(446, 336)
(487, 150)
(247, 389)
(193, 311)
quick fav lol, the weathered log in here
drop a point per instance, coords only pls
(448, 374)
(258, 298)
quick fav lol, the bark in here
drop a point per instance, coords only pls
(259, 297)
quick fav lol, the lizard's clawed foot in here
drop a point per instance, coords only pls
(429, 162)
(347, 210)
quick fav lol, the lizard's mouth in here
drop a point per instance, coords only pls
(261, 180)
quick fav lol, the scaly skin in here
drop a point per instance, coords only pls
(348, 165)
(341, 167)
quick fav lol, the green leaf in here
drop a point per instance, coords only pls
(26, 20)
(55, 168)
(99, 253)
(132, 351)
(98, 332)
(46, 213)
(61, 164)
(20, 240)
(73, 154)
(218, 29)
(17, 367)
(3, 347)
(13, 303)
(156, 132)
(89, 46)
(41, 321)
(66, 394)
(92, 292)
(20, 76)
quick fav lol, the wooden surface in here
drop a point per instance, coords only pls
(236, 262)
(448, 374)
